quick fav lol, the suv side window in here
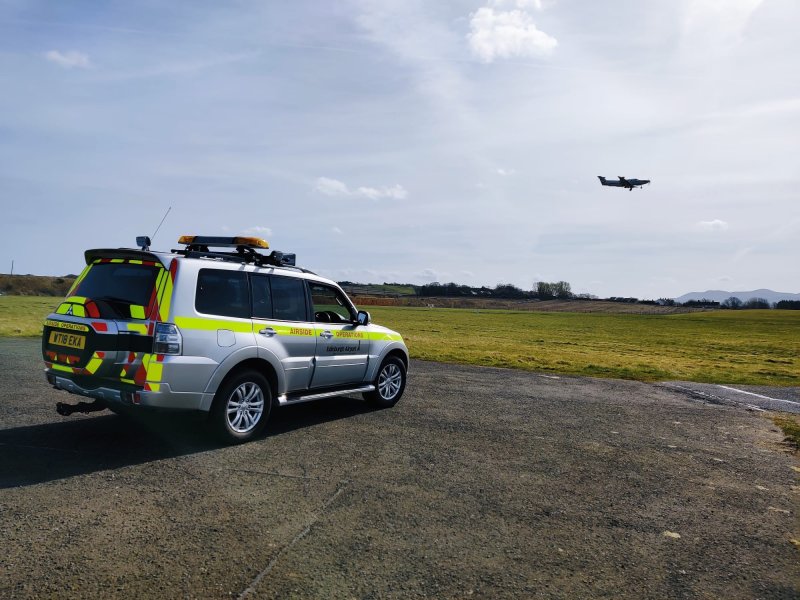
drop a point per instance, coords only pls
(288, 298)
(330, 305)
(223, 293)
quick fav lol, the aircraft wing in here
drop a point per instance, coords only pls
(624, 181)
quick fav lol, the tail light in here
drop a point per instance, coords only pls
(167, 339)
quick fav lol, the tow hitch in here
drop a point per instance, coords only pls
(83, 407)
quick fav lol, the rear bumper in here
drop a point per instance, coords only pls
(164, 398)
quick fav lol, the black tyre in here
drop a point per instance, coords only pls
(241, 407)
(389, 384)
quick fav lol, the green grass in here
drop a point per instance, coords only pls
(790, 424)
(744, 347)
(403, 290)
(378, 289)
(741, 347)
(22, 316)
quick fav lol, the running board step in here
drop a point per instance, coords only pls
(284, 399)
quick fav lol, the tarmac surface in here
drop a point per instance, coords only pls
(480, 483)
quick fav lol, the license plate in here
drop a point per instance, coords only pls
(70, 340)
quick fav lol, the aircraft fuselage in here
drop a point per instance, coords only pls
(623, 182)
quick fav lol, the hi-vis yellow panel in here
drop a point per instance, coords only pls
(65, 325)
(213, 324)
(68, 308)
(94, 363)
(164, 293)
(77, 281)
(139, 328)
(154, 370)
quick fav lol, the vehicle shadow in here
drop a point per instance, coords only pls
(82, 445)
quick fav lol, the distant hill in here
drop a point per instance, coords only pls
(721, 296)
(35, 285)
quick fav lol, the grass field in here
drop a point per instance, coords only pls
(23, 315)
(744, 347)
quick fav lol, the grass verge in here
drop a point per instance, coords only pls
(790, 425)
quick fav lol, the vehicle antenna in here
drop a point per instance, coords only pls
(160, 224)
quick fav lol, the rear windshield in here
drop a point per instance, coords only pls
(118, 285)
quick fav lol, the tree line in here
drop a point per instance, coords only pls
(736, 303)
(562, 290)
(542, 290)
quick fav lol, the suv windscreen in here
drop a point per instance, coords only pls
(223, 293)
(115, 287)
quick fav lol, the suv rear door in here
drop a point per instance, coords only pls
(280, 322)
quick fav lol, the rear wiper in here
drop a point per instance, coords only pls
(113, 299)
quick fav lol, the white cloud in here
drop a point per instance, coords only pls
(359, 275)
(423, 43)
(331, 187)
(68, 60)
(742, 253)
(535, 4)
(719, 17)
(505, 172)
(506, 34)
(428, 274)
(170, 68)
(396, 192)
(258, 231)
(713, 225)
(336, 230)
(334, 187)
(711, 28)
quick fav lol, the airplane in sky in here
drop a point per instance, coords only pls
(623, 183)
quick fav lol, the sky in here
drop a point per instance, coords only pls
(412, 141)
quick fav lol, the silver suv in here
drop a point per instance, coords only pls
(219, 327)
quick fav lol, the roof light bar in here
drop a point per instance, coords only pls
(245, 250)
(223, 242)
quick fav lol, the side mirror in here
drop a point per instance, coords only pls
(362, 318)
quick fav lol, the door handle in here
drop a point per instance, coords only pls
(326, 334)
(267, 331)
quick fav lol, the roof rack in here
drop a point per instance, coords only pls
(198, 246)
